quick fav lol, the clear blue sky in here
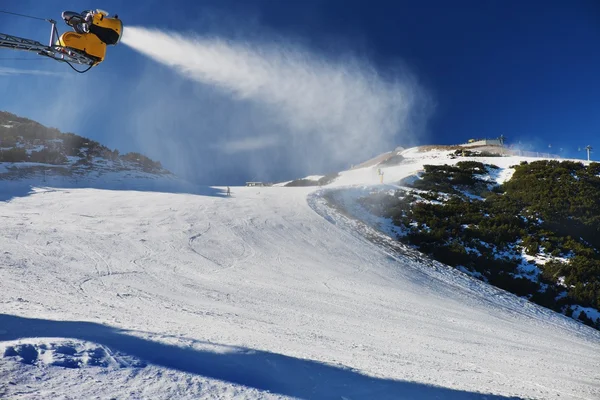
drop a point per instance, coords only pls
(527, 69)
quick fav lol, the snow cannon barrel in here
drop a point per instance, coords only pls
(108, 29)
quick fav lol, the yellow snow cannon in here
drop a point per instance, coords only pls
(93, 31)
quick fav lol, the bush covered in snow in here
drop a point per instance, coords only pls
(537, 235)
(474, 153)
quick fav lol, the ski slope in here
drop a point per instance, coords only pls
(413, 164)
(264, 294)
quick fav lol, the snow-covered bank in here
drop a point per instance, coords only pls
(414, 160)
(177, 295)
(359, 196)
(36, 179)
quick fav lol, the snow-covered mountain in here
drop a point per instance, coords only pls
(269, 293)
(531, 259)
(32, 154)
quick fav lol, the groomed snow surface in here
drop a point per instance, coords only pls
(265, 294)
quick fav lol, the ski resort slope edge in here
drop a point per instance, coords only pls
(157, 295)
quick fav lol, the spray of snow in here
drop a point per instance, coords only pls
(328, 110)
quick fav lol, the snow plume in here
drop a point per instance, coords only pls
(313, 112)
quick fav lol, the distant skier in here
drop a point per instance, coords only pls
(228, 191)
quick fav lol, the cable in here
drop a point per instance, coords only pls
(23, 15)
(79, 71)
(55, 31)
(71, 65)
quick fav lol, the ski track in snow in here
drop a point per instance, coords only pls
(270, 293)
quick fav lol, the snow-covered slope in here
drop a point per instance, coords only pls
(351, 187)
(413, 162)
(131, 294)
(33, 154)
(93, 179)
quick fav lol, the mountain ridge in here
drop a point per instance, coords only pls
(26, 144)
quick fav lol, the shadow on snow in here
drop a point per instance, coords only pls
(14, 189)
(261, 370)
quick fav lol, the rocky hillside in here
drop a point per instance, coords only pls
(28, 148)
